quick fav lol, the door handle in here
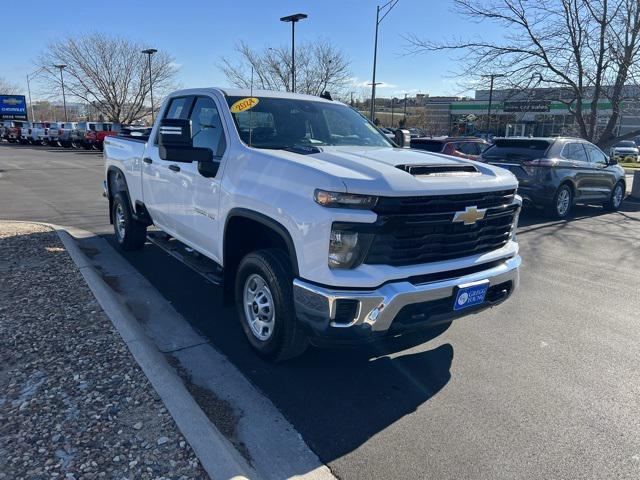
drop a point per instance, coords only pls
(174, 168)
(147, 160)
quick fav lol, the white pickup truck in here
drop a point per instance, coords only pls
(319, 227)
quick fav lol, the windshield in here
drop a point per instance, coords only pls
(281, 123)
(626, 144)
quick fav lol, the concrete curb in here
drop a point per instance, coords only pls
(217, 455)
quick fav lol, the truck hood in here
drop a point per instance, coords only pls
(375, 171)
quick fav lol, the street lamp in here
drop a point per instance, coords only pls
(492, 77)
(64, 100)
(149, 52)
(295, 18)
(389, 5)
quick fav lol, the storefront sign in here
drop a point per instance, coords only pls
(13, 107)
(527, 106)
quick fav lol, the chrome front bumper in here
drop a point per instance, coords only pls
(317, 306)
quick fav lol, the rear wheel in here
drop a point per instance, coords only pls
(562, 202)
(615, 200)
(264, 300)
(130, 233)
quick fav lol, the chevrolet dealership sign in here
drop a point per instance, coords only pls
(13, 107)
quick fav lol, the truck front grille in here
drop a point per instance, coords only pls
(415, 230)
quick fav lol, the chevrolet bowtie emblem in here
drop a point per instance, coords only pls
(470, 215)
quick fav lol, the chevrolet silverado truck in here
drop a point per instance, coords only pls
(320, 229)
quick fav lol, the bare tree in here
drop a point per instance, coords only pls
(8, 88)
(319, 67)
(109, 73)
(587, 49)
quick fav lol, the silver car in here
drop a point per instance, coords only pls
(625, 151)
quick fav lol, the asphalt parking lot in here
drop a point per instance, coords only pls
(544, 386)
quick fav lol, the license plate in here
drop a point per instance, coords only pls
(470, 295)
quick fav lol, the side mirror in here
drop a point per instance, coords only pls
(612, 161)
(176, 145)
(403, 138)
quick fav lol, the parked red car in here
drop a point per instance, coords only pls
(464, 147)
(95, 138)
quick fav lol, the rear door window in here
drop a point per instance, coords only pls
(179, 108)
(575, 152)
(468, 148)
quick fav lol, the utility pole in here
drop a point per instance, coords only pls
(293, 19)
(392, 102)
(405, 107)
(64, 100)
(389, 6)
(492, 77)
(373, 112)
(149, 52)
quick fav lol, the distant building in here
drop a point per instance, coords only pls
(537, 112)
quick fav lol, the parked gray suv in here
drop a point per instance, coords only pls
(556, 173)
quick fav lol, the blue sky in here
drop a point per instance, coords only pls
(198, 32)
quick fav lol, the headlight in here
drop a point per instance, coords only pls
(344, 200)
(343, 249)
(347, 248)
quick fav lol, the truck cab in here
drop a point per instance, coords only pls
(320, 229)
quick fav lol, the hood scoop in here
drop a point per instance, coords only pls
(439, 170)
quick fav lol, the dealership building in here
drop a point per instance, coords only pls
(538, 112)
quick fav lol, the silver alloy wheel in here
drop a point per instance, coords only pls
(121, 228)
(562, 204)
(617, 195)
(259, 307)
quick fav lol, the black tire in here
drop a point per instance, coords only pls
(616, 197)
(130, 233)
(562, 203)
(286, 339)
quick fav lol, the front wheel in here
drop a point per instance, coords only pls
(264, 300)
(562, 202)
(130, 233)
(615, 200)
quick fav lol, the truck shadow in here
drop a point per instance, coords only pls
(337, 399)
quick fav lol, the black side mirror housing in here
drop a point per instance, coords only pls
(612, 161)
(176, 145)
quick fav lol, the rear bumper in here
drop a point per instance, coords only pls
(337, 316)
(538, 194)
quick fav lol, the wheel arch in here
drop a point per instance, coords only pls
(117, 182)
(245, 231)
(267, 223)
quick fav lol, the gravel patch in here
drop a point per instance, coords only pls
(73, 402)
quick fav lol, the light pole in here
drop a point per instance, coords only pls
(293, 19)
(149, 52)
(33, 117)
(389, 5)
(64, 100)
(492, 77)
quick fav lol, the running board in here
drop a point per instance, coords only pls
(187, 255)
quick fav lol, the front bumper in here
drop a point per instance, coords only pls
(353, 316)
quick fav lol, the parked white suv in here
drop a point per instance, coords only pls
(320, 229)
(61, 133)
(40, 132)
